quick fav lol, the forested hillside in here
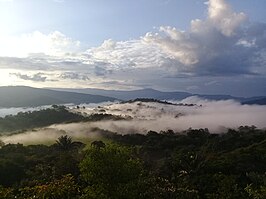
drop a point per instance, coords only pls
(42, 118)
(190, 164)
(28, 120)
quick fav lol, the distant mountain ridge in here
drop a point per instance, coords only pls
(130, 95)
(160, 95)
(22, 96)
(259, 101)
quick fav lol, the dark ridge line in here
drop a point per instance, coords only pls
(157, 101)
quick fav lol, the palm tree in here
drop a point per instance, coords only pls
(65, 143)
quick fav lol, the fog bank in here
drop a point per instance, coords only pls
(217, 116)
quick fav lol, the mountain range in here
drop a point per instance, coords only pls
(22, 96)
(160, 95)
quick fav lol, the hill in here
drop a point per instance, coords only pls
(129, 95)
(258, 101)
(22, 96)
(152, 93)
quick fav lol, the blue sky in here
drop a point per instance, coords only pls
(92, 22)
(199, 46)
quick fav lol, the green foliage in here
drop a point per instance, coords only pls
(257, 189)
(98, 144)
(6, 193)
(225, 187)
(27, 120)
(29, 165)
(12, 164)
(65, 143)
(207, 165)
(195, 164)
(63, 188)
(112, 172)
(256, 193)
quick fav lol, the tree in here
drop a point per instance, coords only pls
(259, 193)
(65, 143)
(6, 193)
(57, 189)
(68, 159)
(257, 189)
(112, 172)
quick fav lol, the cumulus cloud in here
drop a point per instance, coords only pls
(224, 44)
(223, 17)
(126, 54)
(214, 46)
(176, 44)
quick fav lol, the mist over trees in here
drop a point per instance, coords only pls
(193, 163)
(167, 164)
(41, 118)
(95, 127)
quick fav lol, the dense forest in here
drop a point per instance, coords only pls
(42, 118)
(187, 165)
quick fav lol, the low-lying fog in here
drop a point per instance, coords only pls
(214, 115)
(15, 110)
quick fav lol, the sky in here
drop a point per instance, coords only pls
(198, 46)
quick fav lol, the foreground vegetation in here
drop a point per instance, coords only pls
(193, 164)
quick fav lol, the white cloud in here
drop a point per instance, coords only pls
(214, 46)
(126, 54)
(54, 44)
(206, 42)
(221, 45)
(175, 44)
(223, 18)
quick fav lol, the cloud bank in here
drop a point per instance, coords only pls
(217, 116)
(214, 115)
